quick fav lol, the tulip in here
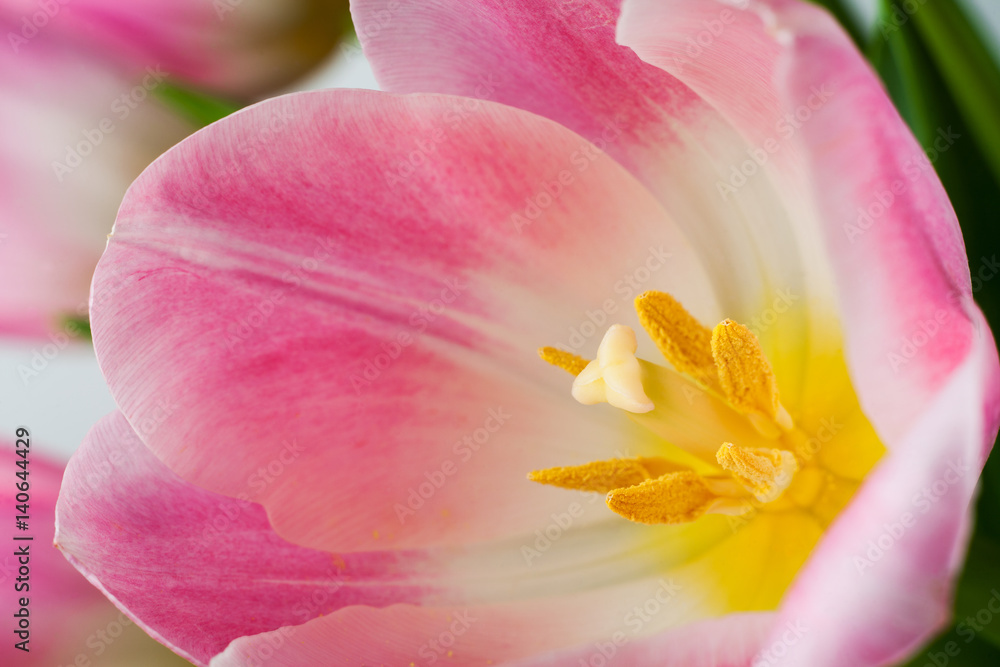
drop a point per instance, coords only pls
(238, 48)
(77, 133)
(53, 615)
(322, 329)
(79, 81)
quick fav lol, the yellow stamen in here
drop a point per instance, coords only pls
(604, 476)
(746, 376)
(682, 339)
(569, 362)
(763, 472)
(678, 497)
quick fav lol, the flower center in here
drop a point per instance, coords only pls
(719, 402)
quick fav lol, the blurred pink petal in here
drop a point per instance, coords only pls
(238, 48)
(82, 133)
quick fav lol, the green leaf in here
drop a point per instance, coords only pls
(920, 92)
(979, 589)
(974, 637)
(955, 648)
(199, 108)
(970, 72)
(76, 326)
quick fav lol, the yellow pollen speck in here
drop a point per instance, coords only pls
(745, 374)
(569, 362)
(604, 476)
(678, 497)
(763, 472)
(682, 339)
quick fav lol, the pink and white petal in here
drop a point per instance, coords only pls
(196, 569)
(63, 608)
(241, 49)
(222, 573)
(890, 235)
(731, 641)
(560, 60)
(64, 173)
(884, 573)
(531, 632)
(286, 314)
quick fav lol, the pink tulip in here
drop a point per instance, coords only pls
(319, 319)
(239, 48)
(76, 134)
(65, 621)
(79, 82)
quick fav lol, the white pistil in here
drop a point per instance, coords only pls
(615, 377)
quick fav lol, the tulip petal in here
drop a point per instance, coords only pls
(196, 569)
(890, 233)
(221, 573)
(727, 642)
(885, 571)
(63, 608)
(560, 60)
(489, 636)
(277, 286)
